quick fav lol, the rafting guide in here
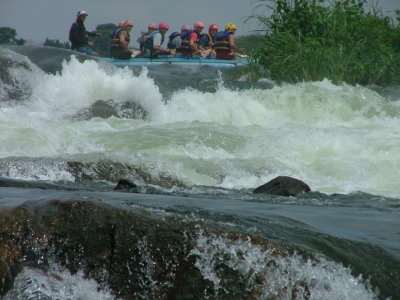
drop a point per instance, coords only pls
(79, 36)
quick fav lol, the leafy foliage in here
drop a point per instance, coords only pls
(102, 44)
(8, 36)
(312, 40)
(249, 42)
(57, 44)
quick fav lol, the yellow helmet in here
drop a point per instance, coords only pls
(230, 27)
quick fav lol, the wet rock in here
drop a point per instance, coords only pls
(114, 171)
(103, 109)
(13, 87)
(125, 184)
(9, 182)
(49, 59)
(136, 254)
(283, 186)
(108, 108)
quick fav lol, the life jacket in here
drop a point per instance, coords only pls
(142, 41)
(115, 37)
(185, 43)
(148, 44)
(210, 42)
(113, 32)
(171, 44)
(221, 41)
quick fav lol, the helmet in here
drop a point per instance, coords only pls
(81, 13)
(185, 27)
(163, 26)
(153, 26)
(128, 23)
(230, 27)
(121, 23)
(198, 24)
(213, 27)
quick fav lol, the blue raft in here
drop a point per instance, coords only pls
(219, 63)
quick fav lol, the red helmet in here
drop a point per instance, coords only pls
(185, 27)
(163, 26)
(198, 24)
(213, 27)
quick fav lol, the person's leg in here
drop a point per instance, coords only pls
(87, 50)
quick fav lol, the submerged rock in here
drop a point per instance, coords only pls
(283, 186)
(125, 184)
(17, 183)
(103, 109)
(108, 108)
(113, 171)
(134, 253)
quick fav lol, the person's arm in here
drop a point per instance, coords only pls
(192, 43)
(92, 33)
(233, 45)
(122, 39)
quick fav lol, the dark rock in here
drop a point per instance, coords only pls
(136, 254)
(49, 59)
(103, 109)
(17, 183)
(113, 171)
(108, 108)
(283, 186)
(124, 184)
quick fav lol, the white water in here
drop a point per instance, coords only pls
(57, 284)
(273, 274)
(337, 139)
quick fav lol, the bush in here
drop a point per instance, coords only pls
(310, 41)
(56, 43)
(8, 37)
(102, 44)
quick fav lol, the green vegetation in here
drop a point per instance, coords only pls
(8, 37)
(102, 44)
(56, 44)
(249, 42)
(312, 40)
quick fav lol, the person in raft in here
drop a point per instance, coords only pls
(79, 36)
(120, 41)
(207, 41)
(174, 40)
(224, 43)
(146, 35)
(152, 46)
(190, 41)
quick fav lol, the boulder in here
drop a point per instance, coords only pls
(103, 109)
(135, 253)
(283, 186)
(125, 184)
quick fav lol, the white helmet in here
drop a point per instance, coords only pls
(82, 13)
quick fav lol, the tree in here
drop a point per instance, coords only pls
(102, 44)
(8, 37)
(56, 43)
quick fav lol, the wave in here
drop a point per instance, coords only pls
(337, 138)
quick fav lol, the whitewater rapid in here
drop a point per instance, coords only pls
(336, 138)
